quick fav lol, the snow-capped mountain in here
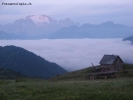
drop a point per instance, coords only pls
(41, 19)
(36, 25)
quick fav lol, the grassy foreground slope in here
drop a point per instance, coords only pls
(80, 74)
(112, 89)
(72, 87)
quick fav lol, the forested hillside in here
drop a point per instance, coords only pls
(9, 74)
(28, 63)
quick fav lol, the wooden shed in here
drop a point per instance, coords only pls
(110, 63)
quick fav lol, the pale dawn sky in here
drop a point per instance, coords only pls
(82, 11)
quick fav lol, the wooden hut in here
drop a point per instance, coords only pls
(110, 63)
(109, 66)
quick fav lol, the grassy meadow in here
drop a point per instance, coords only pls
(75, 88)
(32, 89)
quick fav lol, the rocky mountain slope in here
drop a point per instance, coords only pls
(34, 25)
(43, 26)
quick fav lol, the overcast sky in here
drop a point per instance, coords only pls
(82, 11)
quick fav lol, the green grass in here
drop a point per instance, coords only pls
(75, 75)
(32, 89)
(80, 74)
(70, 86)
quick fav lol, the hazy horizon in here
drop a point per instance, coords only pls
(74, 54)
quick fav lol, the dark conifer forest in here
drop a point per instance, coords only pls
(27, 63)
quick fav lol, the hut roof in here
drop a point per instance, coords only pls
(109, 59)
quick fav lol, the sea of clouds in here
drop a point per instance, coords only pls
(74, 54)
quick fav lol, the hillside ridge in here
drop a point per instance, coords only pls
(28, 63)
(82, 73)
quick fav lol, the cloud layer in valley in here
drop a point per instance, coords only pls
(74, 54)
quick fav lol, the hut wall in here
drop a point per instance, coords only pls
(118, 64)
(112, 68)
(104, 68)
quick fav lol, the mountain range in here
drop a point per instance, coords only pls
(43, 26)
(27, 63)
(104, 30)
(34, 25)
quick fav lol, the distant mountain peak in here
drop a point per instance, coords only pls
(36, 25)
(108, 23)
(40, 19)
(66, 20)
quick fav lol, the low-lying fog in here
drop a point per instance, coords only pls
(74, 54)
